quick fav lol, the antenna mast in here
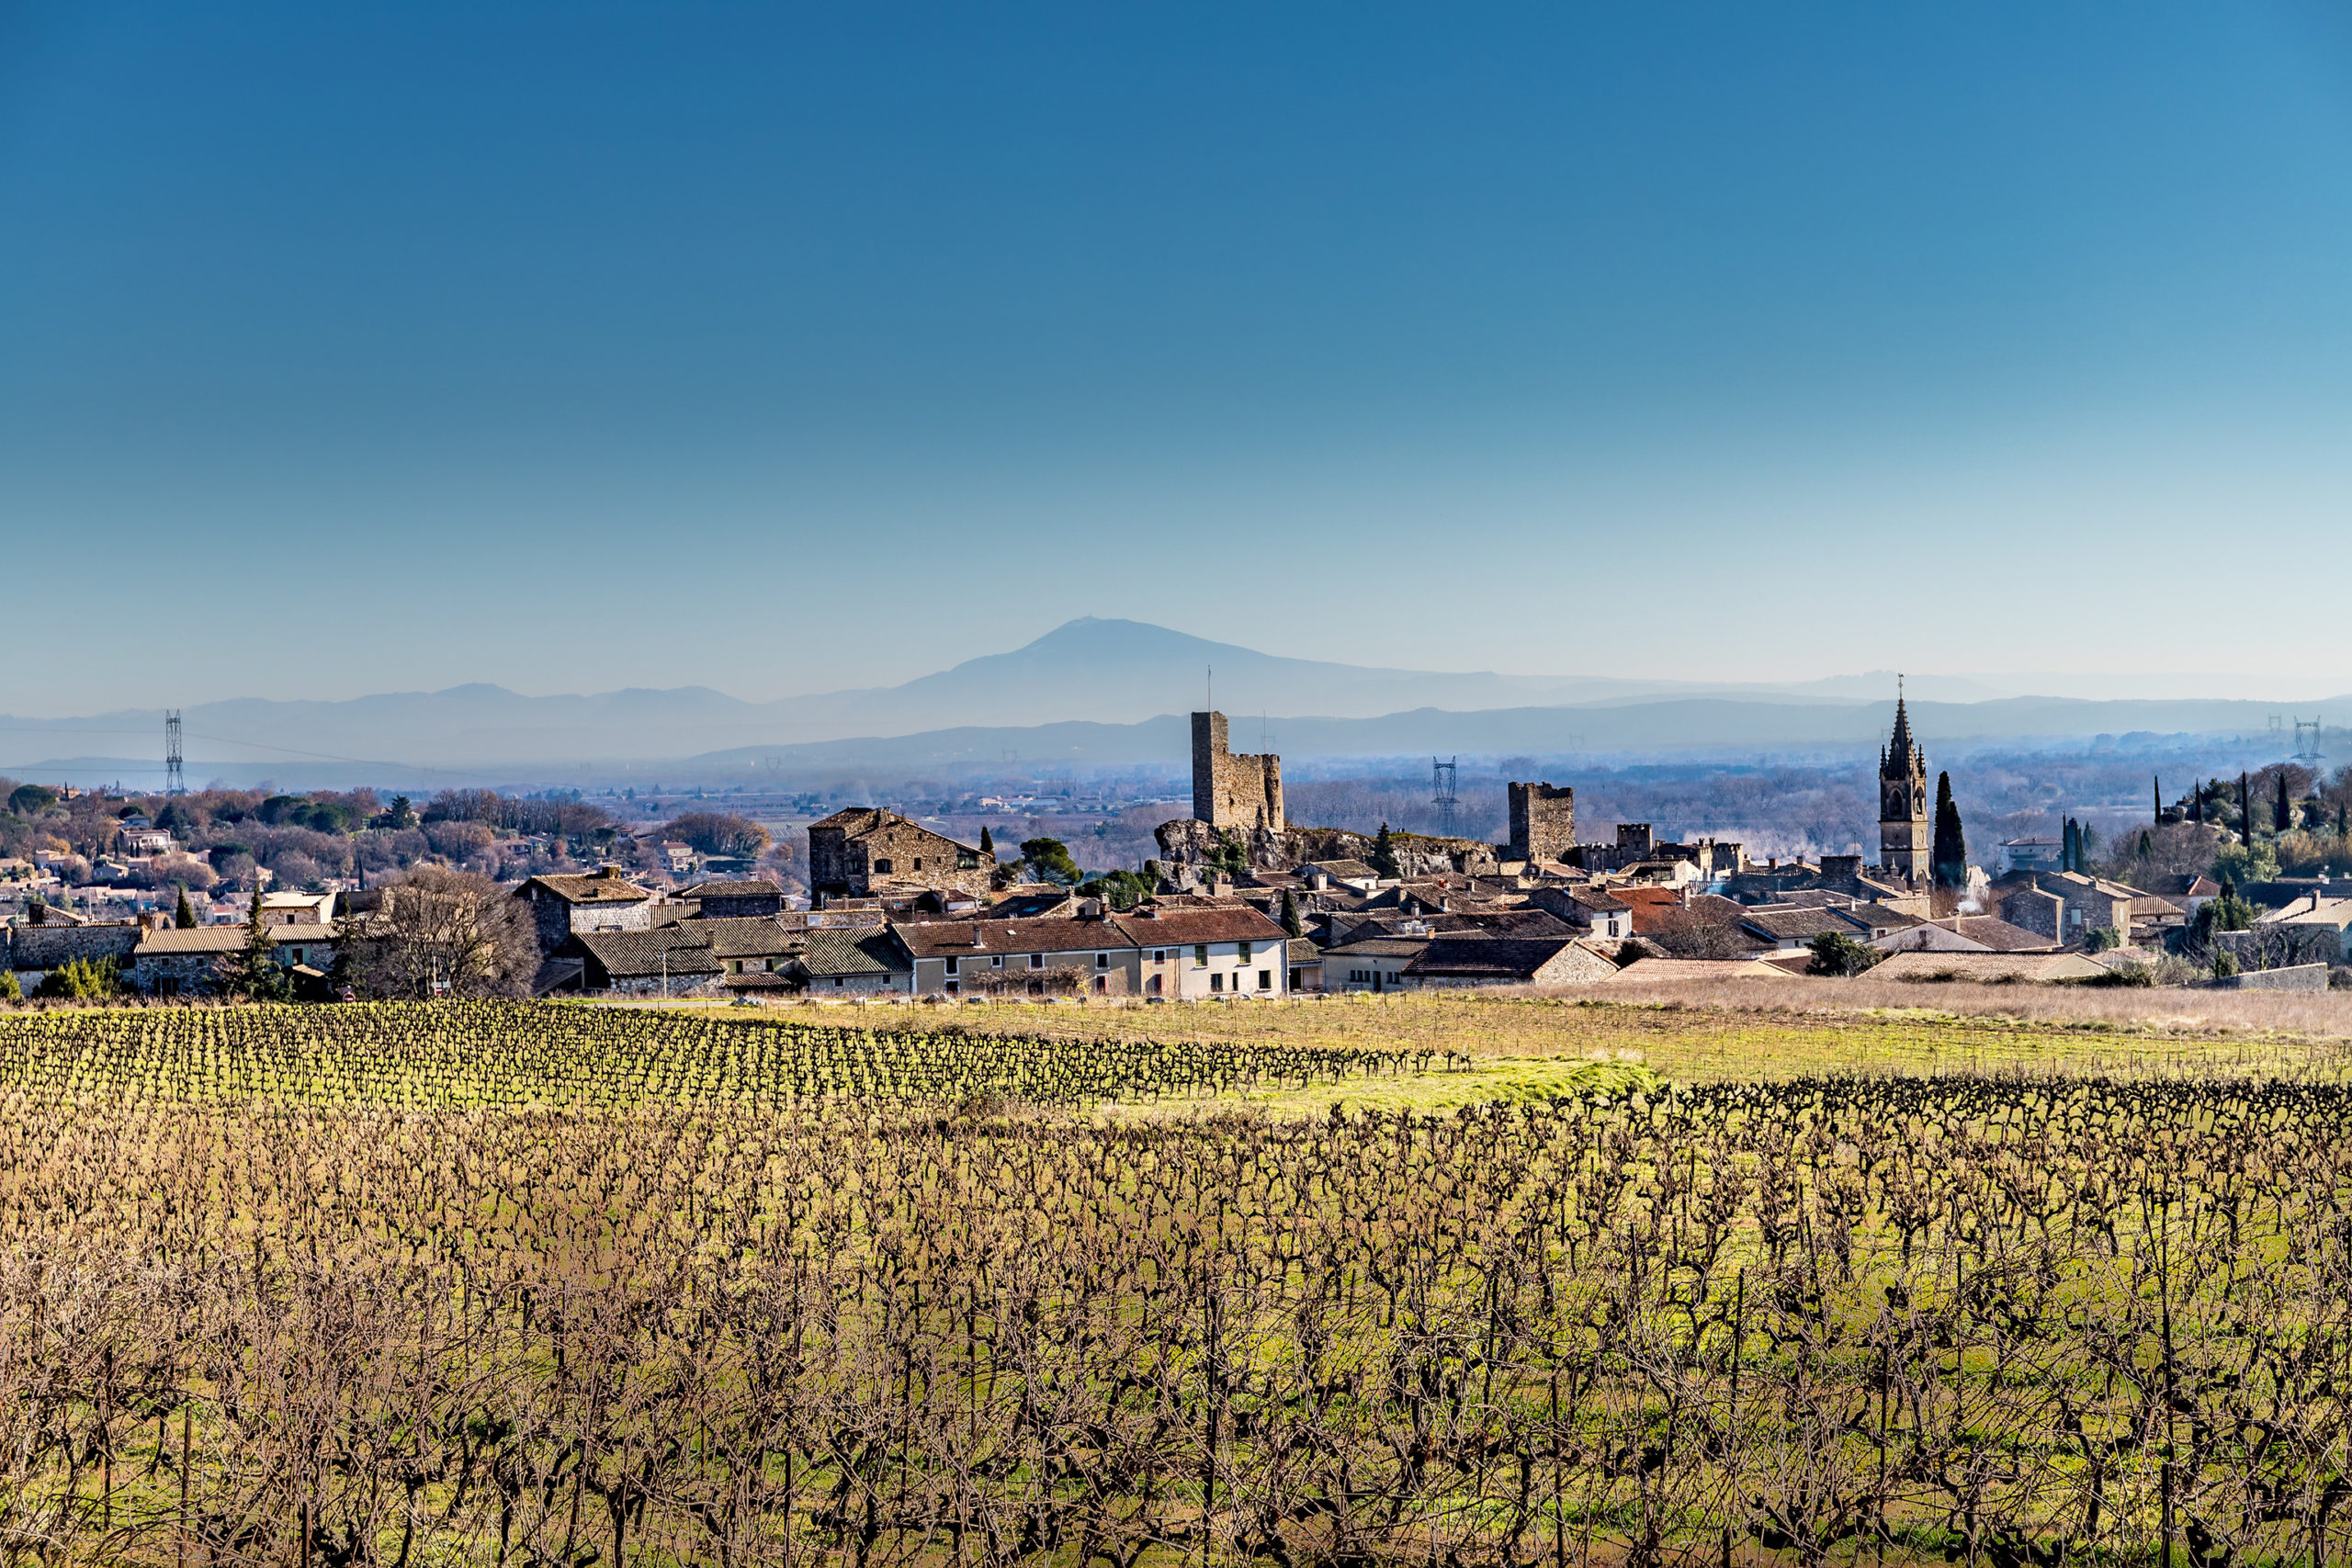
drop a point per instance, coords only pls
(1441, 796)
(175, 779)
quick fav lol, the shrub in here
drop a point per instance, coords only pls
(1835, 953)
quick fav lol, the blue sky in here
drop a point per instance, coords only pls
(776, 349)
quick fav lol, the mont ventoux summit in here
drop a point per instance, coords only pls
(1092, 691)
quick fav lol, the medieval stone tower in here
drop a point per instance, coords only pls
(1543, 821)
(1241, 793)
(1905, 840)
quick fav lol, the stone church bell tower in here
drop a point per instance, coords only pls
(1905, 841)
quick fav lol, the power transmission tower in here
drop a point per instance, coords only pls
(174, 778)
(1441, 796)
(2307, 749)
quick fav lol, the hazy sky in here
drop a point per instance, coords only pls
(352, 349)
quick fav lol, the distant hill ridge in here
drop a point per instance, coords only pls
(1099, 690)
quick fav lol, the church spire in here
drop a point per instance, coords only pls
(1896, 762)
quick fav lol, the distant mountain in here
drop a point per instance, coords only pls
(1109, 671)
(1750, 725)
(1104, 691)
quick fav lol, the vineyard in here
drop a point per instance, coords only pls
(518, 1285)
(504, 1054)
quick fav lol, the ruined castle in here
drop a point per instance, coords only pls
(1243, 792)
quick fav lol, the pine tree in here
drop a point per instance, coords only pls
(1291, 922)
(253, 971)
(1384, 853)
(1948, 864)
(184, 918)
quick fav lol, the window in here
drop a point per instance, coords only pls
(967, 861)
(1102, 961)
(837, 982)
(1200, 955)
(882, 866)
(1159, 955)
(954, 966)
(1036, 960)
(1217, 982)
(918, 863)
(951, 987)
(1265, 979)
(996, 959)
(1245, 952)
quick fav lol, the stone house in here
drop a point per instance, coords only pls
(34, 951)
(1154, 951)
(564, 906)
(1595, 911)
(864, 851)
(669, 961)
(2031, 909)
(1376, 963)
(735, 900)
(2315, 929)
(1305, 961)
(1088, 953)
(1205, 955)
(297, 909)
(172, 963)
(856, 964)
(1451, 962)
(2091, 903)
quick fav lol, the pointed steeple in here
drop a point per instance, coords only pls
(1895, 762)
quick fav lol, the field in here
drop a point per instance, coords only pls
(1507, 1280)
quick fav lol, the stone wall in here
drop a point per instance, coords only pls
(43, 948)
(887, 852)
(1190, 842)
(1230, 791)
(1543, 821)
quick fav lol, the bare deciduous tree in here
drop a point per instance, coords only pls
(441, 933)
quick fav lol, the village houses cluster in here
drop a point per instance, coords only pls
(1242, 904)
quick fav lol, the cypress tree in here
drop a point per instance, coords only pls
(2339, 821)
(987, 845)
(2197, 802)
(1384, 853)
(1948, 864)
(2245, 813)
(183, 916)
(1291, 922)
(2160, 798)
(2067, 846)
(2281, 815)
